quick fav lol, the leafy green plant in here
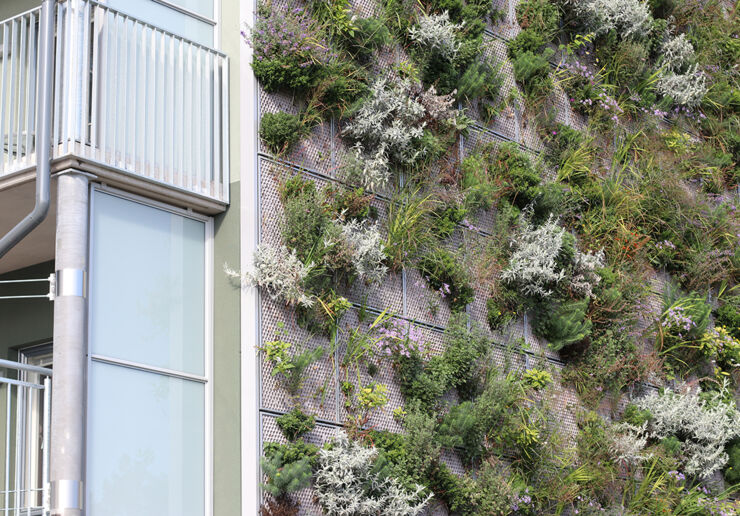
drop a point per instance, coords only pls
(563, 323)
(537, 379)
(445, 274)
(446, 220)
(281, 131)
(292, 369)
(532, 73)
(407, 228)
(295, 424)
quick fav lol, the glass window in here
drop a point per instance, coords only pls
(146, 451)
(147, 294)
(147, 384)
(171, 19)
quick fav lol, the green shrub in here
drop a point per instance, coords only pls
(446, 219)
(304, 218)
(281, 131)
(481, 80)
(288, 467)
(448, 276)
(525, 41)
(728, 315)
(295, 424)
(732, 469)
(532, 73)
(539, 16)
(370, 34)
(512, 165)
(563, 323)
(476, 185)
(459, 367)
(635, 415)
(609, 364)
(503, 307)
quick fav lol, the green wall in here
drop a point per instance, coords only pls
(227, 336)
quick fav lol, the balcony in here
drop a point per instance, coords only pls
(133, 104)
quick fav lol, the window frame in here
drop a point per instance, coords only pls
(207, 379)
(213, 22)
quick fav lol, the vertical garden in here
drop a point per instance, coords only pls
(499, 256)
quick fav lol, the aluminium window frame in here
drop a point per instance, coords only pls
(214, 22)
(207, 380)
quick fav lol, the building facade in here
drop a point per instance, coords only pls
(123, 357)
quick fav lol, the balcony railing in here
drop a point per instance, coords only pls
(127, 96)
(25, 412)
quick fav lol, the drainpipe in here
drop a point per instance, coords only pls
(44, 87)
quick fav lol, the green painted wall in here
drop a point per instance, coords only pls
(25, 321)
(227, 336)
(9, 8)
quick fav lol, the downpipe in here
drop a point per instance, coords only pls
(44, 87)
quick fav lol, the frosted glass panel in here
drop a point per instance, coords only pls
(147, 285)
(171, 20)
(146, 453)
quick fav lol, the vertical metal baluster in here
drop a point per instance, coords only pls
(45, 454)
(13, 88)
(31, 104)
(94, 126)
(215, 187)
(3, 96)
(224, 194)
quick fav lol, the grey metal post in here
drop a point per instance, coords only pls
(70, 346)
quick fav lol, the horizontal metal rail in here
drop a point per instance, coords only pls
(9, 364)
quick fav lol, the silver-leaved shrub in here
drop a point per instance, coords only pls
(279, 272)
(345, 484)
(437, 33)
(630, 18)
(388, 126)
(364, 244)
(686, 89)
(706, 423)
(534, 268)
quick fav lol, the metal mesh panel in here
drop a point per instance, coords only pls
(506, 122)
(507, 27)
(564, 403)
(365, 8)
(422, 303)
(314, 151)
(382, 418)
(318, 393)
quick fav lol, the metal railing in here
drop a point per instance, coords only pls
(25, 410)
(127, 95)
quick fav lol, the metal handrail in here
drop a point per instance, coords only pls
(9, 364)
